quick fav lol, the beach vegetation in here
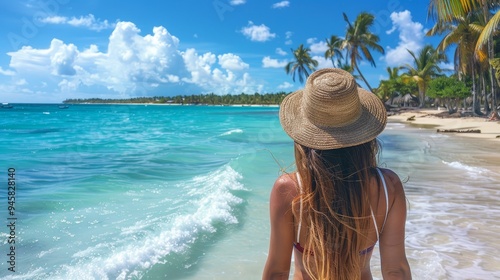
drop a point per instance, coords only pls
(394, 91)
(464, 33)
(448, 90)
(455, 11)
(193, 99)
(425, 67)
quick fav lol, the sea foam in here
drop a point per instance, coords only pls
(214, 202)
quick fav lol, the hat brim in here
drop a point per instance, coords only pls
(367, 127)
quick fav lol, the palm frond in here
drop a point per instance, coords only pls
(488, 31)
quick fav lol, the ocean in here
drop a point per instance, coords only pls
(182, 192)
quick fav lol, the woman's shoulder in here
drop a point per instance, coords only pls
(285, 188)
(391, 178)
(393, 183)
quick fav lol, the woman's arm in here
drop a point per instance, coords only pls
(282, 229)
(392, 241)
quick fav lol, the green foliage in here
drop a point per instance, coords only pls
(359, 40)
(495, 63)
(303, 64)
(424, 68)
(395, 85)
(204, 99)
(447, 87)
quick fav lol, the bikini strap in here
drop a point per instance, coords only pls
(386, 197)
(300, 209)
(374, 222)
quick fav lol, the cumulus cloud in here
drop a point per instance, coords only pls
(89, 22)
(411, 37)
(231, 62)
(282, 4)
(285, 85)
(280, 51)
(131, 64)
(202, 74)
(268, 62)
(257, 33)
(59, 58)
(317, 47)
(322, 62)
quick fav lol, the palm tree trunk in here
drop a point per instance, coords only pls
(475, 105)
(491, 55)
(421, 94)
(363, 77)
(483, 90)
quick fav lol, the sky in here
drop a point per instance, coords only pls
(53, 50)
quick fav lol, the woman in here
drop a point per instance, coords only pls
(338, 204)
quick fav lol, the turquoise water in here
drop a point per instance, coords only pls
(181, 192)
(111, 191)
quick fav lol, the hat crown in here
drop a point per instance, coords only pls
(331, 98)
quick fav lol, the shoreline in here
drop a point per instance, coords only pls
(177, 104)
(430, 119)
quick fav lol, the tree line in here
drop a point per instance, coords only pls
(209, 99)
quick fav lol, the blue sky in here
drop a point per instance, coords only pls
(57, 49)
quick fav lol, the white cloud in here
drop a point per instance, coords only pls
(202, 74)
(285, 85)
(231, 62)
(280, 51)
(411, 37)
(317, 47)
(89, 22)
(322, 62)
(237, 2)
(7, 72)
(281, 4)
(132, 65)
(54, 20)
(258, 33)
(268, 62)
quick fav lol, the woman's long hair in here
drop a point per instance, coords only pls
(336, 209)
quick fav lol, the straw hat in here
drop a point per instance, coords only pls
(331, 112)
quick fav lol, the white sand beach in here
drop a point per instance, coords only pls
(430, 118)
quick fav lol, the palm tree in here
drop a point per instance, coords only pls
(346, 67)
(359, 40)
(334, 48)
(446, 10)
(394, 86)
(462, 32)
(393, 72)
(303, 65)
(424, 69)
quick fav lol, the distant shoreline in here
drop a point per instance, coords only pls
(177, 104)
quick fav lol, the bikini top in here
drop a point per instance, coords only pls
(365, 251)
